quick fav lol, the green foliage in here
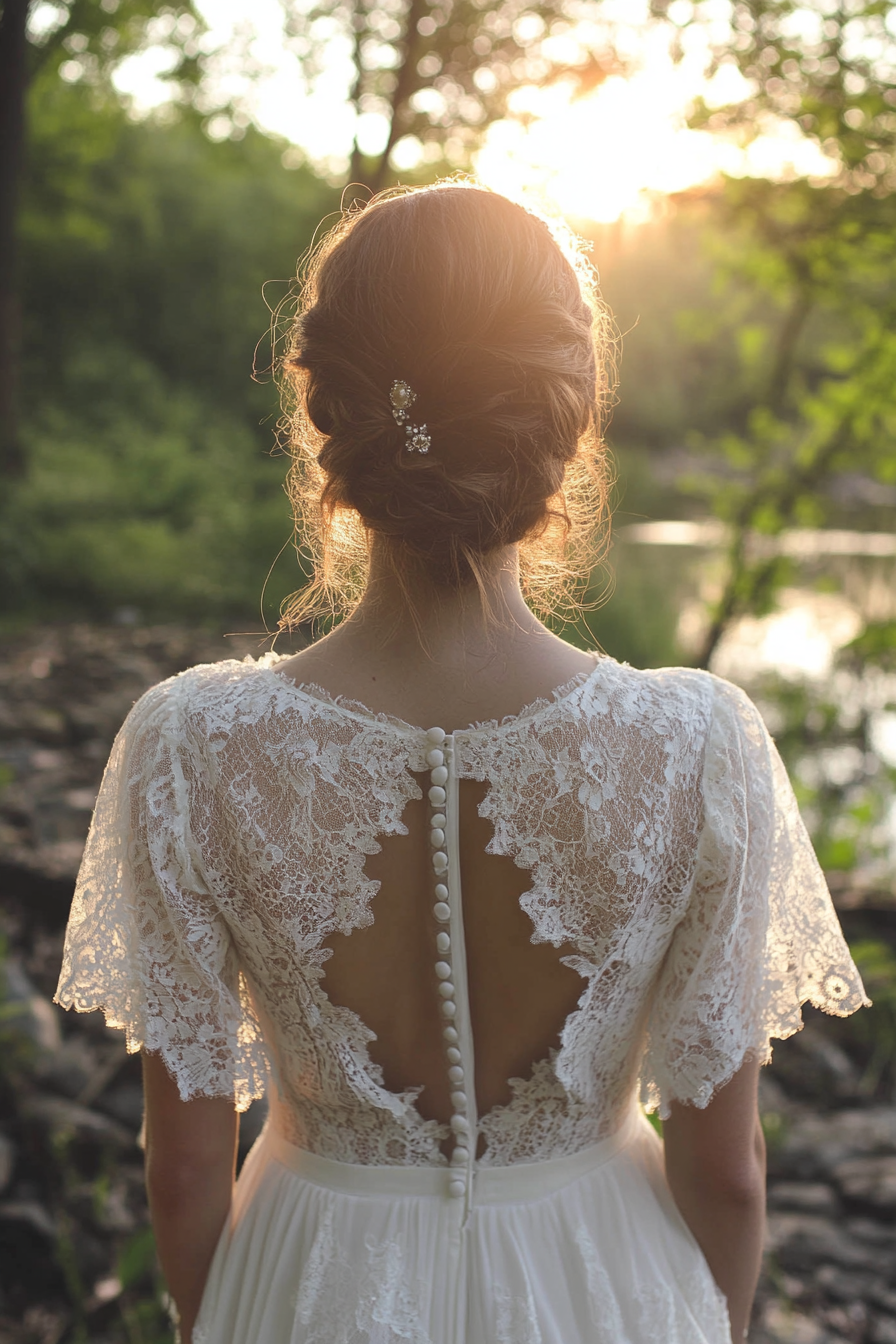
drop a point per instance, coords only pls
(137, 1258)
(774, 1129)
(146, 248)
(825, 733)
(66, 1254)
(810, 272)
(142, 1301)
(876, 644)
(145, 1322)
(760, 334)
(822, 378)
(84, 40)
(826, 67)
(639, 622)
(148, 497)
(679, 372)
(876, 1026)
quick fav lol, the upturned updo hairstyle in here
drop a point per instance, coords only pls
(491, 315)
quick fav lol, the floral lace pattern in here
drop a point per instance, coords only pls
(516, 1318)
(339, 1302)
(695, 1309)
(650, 809)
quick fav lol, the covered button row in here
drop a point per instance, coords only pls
(438, 773)
(435, 759)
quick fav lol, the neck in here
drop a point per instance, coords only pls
(415, 619)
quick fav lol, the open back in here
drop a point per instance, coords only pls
(605, 897)
(449, 959)
(395, 973)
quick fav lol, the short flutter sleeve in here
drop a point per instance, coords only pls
(759, 937)
(146, 939)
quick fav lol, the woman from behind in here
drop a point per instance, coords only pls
(460, 897)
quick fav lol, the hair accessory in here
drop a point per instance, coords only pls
(402, 397)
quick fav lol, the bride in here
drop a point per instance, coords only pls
(462, 900)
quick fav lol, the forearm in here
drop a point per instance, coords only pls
(188, 1210)
(729, 1230)
(190, 1168)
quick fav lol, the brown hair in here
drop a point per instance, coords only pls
(491, 315)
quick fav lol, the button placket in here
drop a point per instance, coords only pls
(438, 755)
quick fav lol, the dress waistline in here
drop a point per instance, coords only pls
(491, 1185)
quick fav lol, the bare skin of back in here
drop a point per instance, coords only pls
(520, 992)
(451, 669)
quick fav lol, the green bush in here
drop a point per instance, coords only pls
(149, 253)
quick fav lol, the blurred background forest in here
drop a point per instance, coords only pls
(142, 514)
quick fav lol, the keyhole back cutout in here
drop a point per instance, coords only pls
(520, 992)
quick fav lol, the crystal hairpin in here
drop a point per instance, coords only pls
(402, 397)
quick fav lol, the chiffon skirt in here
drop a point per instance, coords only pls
(588, 1249)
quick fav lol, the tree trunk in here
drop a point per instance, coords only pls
(356, 173)
(791, 331)
(13, 82)
(404, 87)
(784, 496)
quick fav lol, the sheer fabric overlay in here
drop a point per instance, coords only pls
(651, 810)
(605, 1258)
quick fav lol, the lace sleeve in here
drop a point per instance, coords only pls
(760, 936)
(146, 941)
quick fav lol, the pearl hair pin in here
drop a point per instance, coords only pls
(402, 398)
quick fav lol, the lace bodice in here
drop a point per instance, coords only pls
(650, 808)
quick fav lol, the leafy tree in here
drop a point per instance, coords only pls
(75, 39)
(823, 369)
(146, 248)
(440, 73)
(828, 67)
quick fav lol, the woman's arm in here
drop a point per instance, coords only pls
(715, 1166)
(190, 1165)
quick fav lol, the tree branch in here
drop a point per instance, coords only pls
(744, 581)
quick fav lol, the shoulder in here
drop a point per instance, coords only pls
(670, 691)
(206, 689)
(672, 700)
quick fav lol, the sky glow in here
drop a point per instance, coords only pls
(616, 152)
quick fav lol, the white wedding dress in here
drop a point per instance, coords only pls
(666, 854)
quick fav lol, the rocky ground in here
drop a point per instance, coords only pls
(76, 1257)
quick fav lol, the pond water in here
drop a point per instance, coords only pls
(833, 714)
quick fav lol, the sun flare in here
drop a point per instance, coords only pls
(596, 157)
(621, 149)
